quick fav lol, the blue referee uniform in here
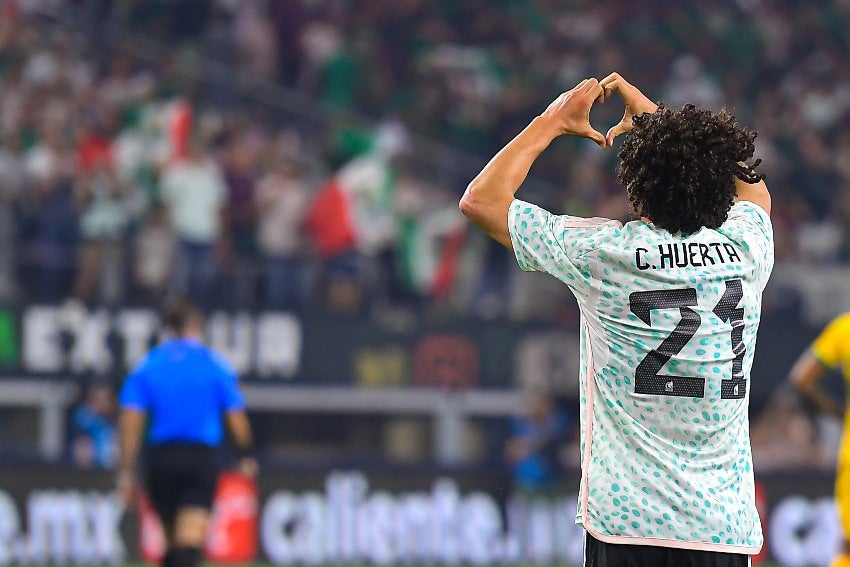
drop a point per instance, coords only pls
(184, 387)
(181, 397)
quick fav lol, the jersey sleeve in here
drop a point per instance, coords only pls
(556, 244)
(229, 394)
(134, 393)
(829, 347)
(750, 227)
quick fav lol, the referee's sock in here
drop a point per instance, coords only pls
(186, 557)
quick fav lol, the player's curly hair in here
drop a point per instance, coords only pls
(678, 166)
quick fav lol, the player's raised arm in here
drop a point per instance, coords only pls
(756, 193)
(488, 197)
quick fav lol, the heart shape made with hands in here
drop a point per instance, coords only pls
(571, 109)
(636, 103)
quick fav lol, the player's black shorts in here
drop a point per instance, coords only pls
(601, 554)
(181, 475)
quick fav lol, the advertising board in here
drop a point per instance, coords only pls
(61, 516)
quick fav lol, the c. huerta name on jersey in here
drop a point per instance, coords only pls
(686, 254)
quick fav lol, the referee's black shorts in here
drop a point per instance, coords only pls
(601, 554)
(181, 475)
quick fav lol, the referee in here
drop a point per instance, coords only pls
(184, 389)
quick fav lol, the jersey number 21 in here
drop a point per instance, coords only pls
(647, 377)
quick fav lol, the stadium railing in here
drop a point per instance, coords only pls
(51, 400)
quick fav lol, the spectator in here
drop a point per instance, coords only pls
(123, 85)
(94, 440)
(282, 200)
(195, 193)
(50, 158)
(288, 18)
(257, 42)
(329, 223)
(241, 214)
(103, 220)
(154, 256)
(13, 92)
(534, 448)
(13, 183)
(52, 230)
(689, 83)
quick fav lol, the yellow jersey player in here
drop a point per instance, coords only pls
(831, 349)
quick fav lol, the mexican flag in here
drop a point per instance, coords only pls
(430, 250)
(354, 209)
(329, 221)
(368, 184)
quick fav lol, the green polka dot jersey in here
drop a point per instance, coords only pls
(667, 336)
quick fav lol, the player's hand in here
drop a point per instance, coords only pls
(570, 112)
(635, 101)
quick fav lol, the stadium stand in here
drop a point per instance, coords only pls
(331, 140)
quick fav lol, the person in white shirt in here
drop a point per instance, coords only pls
(282, 199)
(670, 304)
(195, 193)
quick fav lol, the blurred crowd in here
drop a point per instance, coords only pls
(123, 177)
(121, 183)
(471, 74)
(309, 154)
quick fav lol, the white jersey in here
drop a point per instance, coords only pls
(668, 331)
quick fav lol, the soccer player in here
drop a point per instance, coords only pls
(830, 349)
(184, 389)
(670, 303)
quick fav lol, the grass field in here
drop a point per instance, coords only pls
(764, 564)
